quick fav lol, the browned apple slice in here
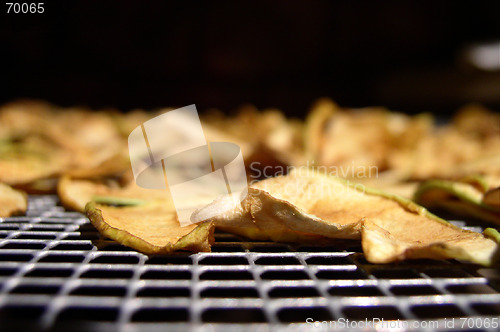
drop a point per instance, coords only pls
(151, 228)
(12, 202)
(314, 128)
(76, 193)
(492, 198)
(28, 159)
(142, 219)
(40, 142)
(387, 240)
(391, 228)
(238, 218)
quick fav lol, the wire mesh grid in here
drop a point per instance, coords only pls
(54, 277)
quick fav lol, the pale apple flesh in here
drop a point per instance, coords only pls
(390, 227)
(151, 229)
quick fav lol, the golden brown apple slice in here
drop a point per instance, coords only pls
(12, 202)
(76, 193)
(387, 240)
(150, 228)
(492, 198)
(142, 219)
(237, 218)
(394, 228)
(291, 208)
(28, 159)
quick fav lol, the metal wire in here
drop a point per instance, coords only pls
(54, 277)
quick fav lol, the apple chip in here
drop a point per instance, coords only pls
(39, 142)
(142, 219)
(355, 142)
(76, 193)
(113, 165)
(238, 219)
(151, 228)
(460, 198)
(12, 202)
(126, 122)
(391, 240)
(363, 143)
(476, 120)
(304, 202)
(266, 137)
(314, 128)
(28, 159)
(492, 198)
(94, 142)
(40, 186)
(470, 144)
(391, 228)
(26, 117)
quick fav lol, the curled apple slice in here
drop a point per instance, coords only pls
(386, 240)
(142, 219)
(240, 218)
(391, 228)
(288, 209)
(28, 159)
(150, 228)
(12, 202)
(76, 193)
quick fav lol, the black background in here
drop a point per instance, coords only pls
(148, 54)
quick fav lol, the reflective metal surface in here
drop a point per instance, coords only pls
(53, 277)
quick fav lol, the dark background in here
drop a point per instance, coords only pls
(148, 54)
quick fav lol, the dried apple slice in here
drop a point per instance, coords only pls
(26, 117)
(314, 127)
(391, 228)
(304, 204)
(115, 164)
(12, 202)
(26, 160)
(290, 208)
(76, 193)
(41, 142)
(492, 198)
(238, 219)
(42, 186)
(386, 240)
(459, 199)
(142, 219)
(150, 228)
